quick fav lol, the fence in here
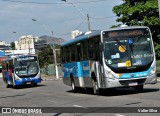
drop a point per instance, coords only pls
(50, 70)
(158, 67)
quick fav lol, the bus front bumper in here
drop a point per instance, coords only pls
(28, 81)
(114, 82)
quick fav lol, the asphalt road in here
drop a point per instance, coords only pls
(56, 94)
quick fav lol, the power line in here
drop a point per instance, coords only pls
(102, 17)
(73, 29)
(91, 1)
(18, 1)
(80, 24)
(83, 22)
(53, 3)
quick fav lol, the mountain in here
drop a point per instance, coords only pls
(49, 39)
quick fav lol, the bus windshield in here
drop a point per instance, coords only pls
(128, 52)
(26, 68)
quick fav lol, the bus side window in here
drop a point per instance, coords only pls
(11, 66)
(90, 49)
(79, 54)
(73, 53)
(97, 50)
(85, 50)
(3, 65)
(7, 64)
(68, 54)
(63, 54)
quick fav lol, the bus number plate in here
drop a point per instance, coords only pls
(28, 83)
(133, 84)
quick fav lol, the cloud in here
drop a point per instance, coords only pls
(60, 18)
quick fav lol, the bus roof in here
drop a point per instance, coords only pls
(96, 33)
(82, 37)
(128, 27)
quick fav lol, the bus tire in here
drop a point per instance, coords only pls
(138, 88)
(8, 86)
(73, 85)
(15, 87)
(95, 87)
(35, 85)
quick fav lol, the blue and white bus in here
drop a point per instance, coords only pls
(21, 70)
(117, 57)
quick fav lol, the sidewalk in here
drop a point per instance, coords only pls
(50, 78)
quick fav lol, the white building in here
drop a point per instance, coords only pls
(26, 43)
(2, 42)
(75, 33)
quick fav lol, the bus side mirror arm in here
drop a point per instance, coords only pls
(100, 47)
(100, 52)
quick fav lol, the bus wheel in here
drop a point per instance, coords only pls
(14, 86)
(34, 85)
(95, 87)
(73, 85)
(8, 85)
(138, 88)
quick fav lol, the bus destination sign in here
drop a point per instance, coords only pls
(125, 33)
(26, 58)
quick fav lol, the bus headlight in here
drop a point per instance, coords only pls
(17, 78)
(38, 76)
(110, 75)
(153, 71)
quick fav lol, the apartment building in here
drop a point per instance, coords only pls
(26, 42)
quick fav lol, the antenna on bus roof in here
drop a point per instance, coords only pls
(124, 25)
(88, 32)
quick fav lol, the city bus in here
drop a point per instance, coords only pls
(21, 70)
(117, 57)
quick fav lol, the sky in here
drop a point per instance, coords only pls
(53, 15)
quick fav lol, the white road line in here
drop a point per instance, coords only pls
(119, 115)
(78, 106)
(52, 101)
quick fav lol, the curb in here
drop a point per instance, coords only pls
(52, 79)
(158, 79)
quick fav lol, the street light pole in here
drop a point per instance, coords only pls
(54, 53)
(14, 32)
(55, 57)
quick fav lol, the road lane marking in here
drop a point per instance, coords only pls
(78, 106)
(52, 101)
(119, 115)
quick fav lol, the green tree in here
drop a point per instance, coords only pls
(46, 55)
(12, 44)
(141, 12)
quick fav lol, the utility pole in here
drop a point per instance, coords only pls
(88, 21)
(53, 49)
(159, 7)
(55, 57)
